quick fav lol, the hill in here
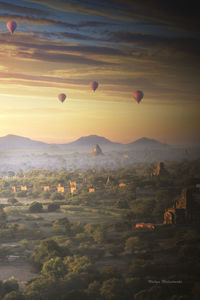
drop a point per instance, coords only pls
(90, 141)
(11, 141)
(15, 141)
(146, 143)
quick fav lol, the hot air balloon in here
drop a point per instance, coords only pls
(61, 97)
(94, 85)
(11, 25)
(138, 95)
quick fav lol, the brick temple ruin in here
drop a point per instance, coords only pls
(160, 170)
(96, 151)
(186, 210)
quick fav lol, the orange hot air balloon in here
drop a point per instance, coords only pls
(61, 97)
(94, 85)
(11, 25)
(138, 95)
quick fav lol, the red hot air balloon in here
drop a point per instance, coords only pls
(138, 95)
(94, 85)
(61, 97)
(12, 25)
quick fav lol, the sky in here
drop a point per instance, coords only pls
(61, 46)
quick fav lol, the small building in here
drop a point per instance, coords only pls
(72, 187)
(91, 190)
(145, 226)
(198, 186)
(23, 188)
(72, 183)
(60, 189)
(46, 188)
(14, 189)
(122, 185)
(72, 190)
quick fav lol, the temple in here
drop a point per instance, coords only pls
(186, 210)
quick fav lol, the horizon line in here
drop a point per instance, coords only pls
(95, 135)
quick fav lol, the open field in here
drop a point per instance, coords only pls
(21, 272)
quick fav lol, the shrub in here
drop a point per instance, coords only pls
(62, 223)
(3, 218)
(22, 194)
(36, 207)
(122, 204)
(57, 196)
(45, 195)
(10, 285)
(14, 296)
(46, 250)
(12, 200)
(53, 207)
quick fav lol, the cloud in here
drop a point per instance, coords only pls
(95, 24)
(61, 57)
(74, 36)
(79, 49)
(94, 8)
(179, 14)
(41, 78)
(35, 20)
(22, 9)
(31, 47)
(42, 21)
(187, 45)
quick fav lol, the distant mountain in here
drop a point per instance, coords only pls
(15, 141)
(86, 142)
(90, 141)
(146, 143)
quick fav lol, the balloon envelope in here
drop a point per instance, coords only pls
(11, 25)
(61, 97)
(94, 85)
(138, 95)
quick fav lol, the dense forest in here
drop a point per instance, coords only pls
(84, 244)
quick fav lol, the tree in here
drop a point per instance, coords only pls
(93, 290)
(196, 291)
(11, 174)
(43, 288)
(110, 272)
(53, 207)
(14, 295)
(77, 264)
(3, 218)
(12, 201)
(10, 285)
(62, 223)
(45, 195)
(46, 250)
(132, 243)
(54, 268)
(76, 295)
(114, 289)
(36, 207)
(57, 196)
(122, 204)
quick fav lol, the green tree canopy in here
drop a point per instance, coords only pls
(36, 207)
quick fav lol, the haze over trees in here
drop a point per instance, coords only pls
(86, 244)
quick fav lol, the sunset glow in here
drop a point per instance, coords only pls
(60, 47)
